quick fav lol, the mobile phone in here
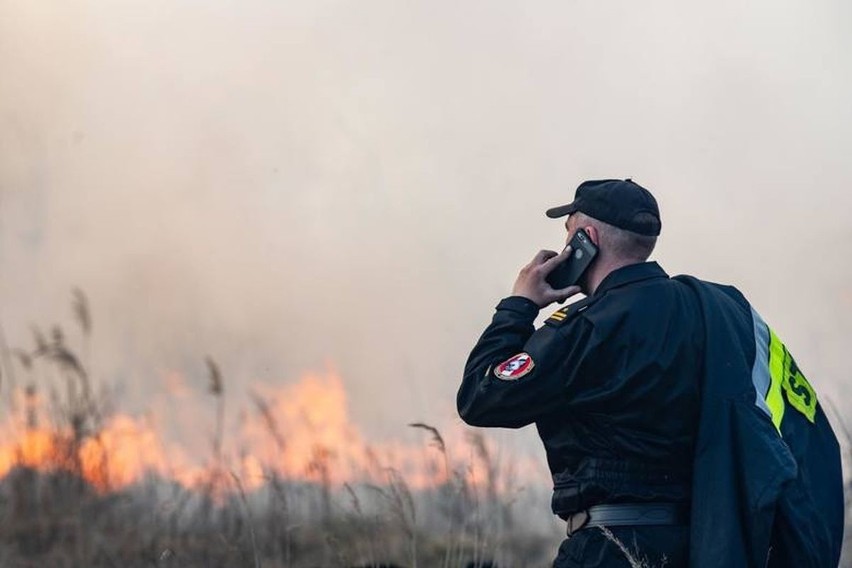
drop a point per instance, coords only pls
(568, 273)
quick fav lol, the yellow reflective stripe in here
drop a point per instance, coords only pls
(774, 398)
(800, 394)
(786, 376)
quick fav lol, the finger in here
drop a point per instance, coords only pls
(556, 260)
(566, 293)
(542, 256)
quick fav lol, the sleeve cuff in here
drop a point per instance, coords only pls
(519, 304)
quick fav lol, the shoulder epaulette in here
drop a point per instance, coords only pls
(562, 315)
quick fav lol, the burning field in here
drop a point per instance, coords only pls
(287, 480)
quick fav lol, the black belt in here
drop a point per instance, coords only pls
(628, 514)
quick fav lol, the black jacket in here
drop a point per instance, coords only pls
(768, 486)
(611, 383)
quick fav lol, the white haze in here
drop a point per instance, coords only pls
(291, 186)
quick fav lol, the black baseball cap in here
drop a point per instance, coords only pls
(616, 202)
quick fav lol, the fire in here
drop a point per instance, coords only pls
(119, 455)
(122, 453)
(35, 447)
(300, 431)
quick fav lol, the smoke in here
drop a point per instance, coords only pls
(293, 186)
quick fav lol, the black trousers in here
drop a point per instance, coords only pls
(616, 547)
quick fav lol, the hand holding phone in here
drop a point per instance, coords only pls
(532, 284)
(568, 273)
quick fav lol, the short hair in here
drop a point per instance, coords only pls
(620, 243)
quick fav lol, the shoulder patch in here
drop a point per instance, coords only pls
(562, 315)
(515, 367)
(559, 315)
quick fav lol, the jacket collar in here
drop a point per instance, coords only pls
(630, 274)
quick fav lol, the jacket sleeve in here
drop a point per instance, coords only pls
(487, 399)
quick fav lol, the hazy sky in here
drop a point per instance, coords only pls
(292, 186)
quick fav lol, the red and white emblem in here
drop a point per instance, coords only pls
(514, 368)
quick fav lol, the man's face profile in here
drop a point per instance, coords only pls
(570, 227)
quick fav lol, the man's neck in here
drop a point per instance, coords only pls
(600, 270)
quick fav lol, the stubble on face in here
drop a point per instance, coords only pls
(570, 227)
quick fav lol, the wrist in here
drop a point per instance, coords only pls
(520, 304)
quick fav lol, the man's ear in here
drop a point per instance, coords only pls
(593, 235)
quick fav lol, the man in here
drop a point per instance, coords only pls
(616, 384)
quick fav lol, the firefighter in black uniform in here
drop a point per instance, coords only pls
(611, 383)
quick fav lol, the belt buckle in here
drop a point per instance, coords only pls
(576, 521)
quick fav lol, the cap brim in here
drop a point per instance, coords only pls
(561, 211)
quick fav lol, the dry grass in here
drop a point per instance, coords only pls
(56, 518)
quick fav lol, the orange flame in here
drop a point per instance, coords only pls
(299, 432)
